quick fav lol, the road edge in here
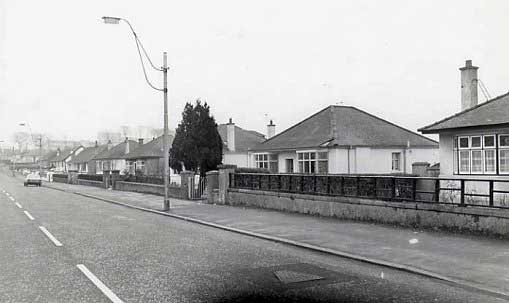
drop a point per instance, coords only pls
(392, 265)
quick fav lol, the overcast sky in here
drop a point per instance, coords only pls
(68, 74)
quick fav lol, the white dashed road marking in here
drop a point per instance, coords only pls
(12, 199)
(105, 290)
(29, 215)
(18, 205)
(50, 236)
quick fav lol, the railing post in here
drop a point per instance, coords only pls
(290, 183)
(314, 183)
(437, 190)
(279, 183)
(301, 183)
(328, 185)
(414, 189)
(462, 190)
(230, 180)
(376, 188)
(357, 179)
(260, 181)
(342, 187)
(393, 188)
(491, 193)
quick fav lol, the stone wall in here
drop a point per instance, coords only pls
(90, 183)
(155, 189)
(59, 179)
(410, 214)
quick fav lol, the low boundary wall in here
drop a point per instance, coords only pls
(90, 183)
(155, 189)
(410, 214)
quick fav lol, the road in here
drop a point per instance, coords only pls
(60, 247)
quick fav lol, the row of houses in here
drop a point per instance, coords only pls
(336, 140)
(473, 143)
(128, 157)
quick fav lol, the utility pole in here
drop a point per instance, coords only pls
(166, 149)
(40, 155)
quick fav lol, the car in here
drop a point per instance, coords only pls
(33, 179)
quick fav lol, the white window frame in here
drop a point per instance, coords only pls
(311, 162)
(500, 149)
(268, 161)
(398, 161)
(457, 158)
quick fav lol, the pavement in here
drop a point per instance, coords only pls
(471, 261)
(61, 247)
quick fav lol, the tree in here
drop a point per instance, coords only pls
(197, 144)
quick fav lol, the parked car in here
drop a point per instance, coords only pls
(32, 179)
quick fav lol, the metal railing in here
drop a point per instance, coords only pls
(460, 192)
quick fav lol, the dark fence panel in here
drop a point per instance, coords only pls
(91, 177)
(461, 192)
(145, 179)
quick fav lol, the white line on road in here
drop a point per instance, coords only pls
(18, 205)
(28, 215)
(50, 236)
(105, 290)
(12, 199)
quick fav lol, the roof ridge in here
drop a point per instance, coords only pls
(393, 124)
(463, 111)
(295, 125)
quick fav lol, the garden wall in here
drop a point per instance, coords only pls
(411, 214)
(155, 189)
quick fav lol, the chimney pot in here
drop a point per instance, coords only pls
(271, 130)
(230, 121)
(468, 85)
(140, 141)
(230, 135)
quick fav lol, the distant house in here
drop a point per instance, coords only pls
(346, 140)
(148, 158)
(237, 142)
(61, 162)
(84, 162)
(112, 158)
(475, 141)
(47, 158)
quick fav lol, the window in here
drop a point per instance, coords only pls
(396, 161)
(268, 161)
(140, 166)
(312, 162)
(503, 154)
(99, 166)
(476, 154)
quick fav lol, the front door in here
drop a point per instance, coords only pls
(289, 165)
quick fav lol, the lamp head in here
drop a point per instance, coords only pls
(111, 20)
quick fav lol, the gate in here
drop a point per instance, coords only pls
(197, 187)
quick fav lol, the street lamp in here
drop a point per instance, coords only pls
(164, 69)
(40, 145)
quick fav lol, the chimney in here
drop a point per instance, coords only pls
(230, 135)
(140, 141)
(96, 145)
(468, 85)
(126, 146)
(58, 151)
(109, 144)
(271, 130)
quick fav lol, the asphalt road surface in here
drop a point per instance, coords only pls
(60, 247)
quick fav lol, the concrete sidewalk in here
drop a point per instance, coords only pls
(473, 261)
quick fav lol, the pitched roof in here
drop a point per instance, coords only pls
(344, 126)
(88, 153)
(63, 155)
(117, 151)
(152, 149)
(492, 112)
(244, 139)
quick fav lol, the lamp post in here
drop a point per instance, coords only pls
(164, 69)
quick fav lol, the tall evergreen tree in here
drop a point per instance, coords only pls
(197, 143)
